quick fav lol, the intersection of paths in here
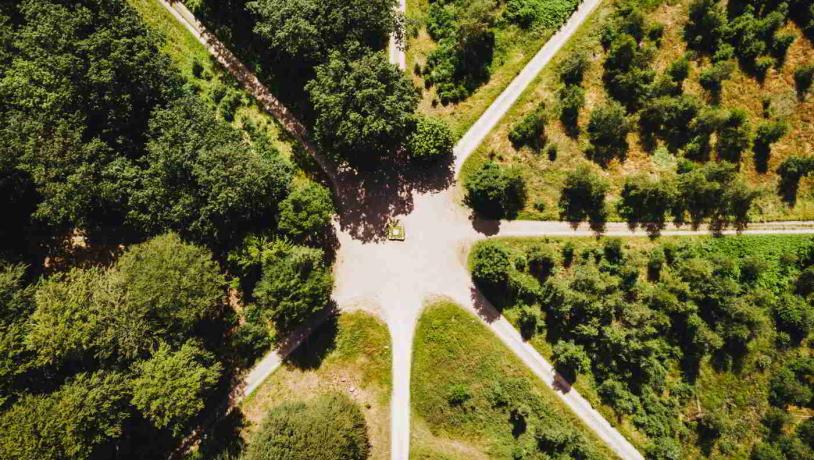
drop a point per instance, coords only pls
(396, 279)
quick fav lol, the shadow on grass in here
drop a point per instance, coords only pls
(313, 350)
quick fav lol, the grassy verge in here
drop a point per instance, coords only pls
(352, 356)
(737, 394)
(210, 80)
(466, 386)
(544, 177)
(514, 47)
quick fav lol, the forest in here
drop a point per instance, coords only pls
(694, 347)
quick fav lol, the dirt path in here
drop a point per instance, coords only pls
(473, 138)
(395, 279)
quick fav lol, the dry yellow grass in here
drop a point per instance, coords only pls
(544, 178)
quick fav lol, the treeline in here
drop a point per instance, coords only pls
(361, 107)
(646, 323)
(126, 353)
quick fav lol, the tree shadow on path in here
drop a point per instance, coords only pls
(369, 198)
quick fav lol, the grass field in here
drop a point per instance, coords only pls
(185, 51)
(465, 387)
(514, 47)
(544, 178)
(351, 356)
(739, 393)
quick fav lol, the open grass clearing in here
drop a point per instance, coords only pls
(466, 385)
(351, 356)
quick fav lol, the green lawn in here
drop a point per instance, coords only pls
(544, 178)
(465, 387)
(350, 355)
(738, 392)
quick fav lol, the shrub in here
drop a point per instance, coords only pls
(791, 170)
(803, 77)
(607, 132)
(305, 214)
(712, 78)
(197, 68)
(793, 316)
(583, 197)
(440, 21)
(570, 359)
(805, 431)
(530, 321)
(491, 266)
(679, 69)
(664, 449)
(573, 68)
(229, 105)
(734, 136)
(495, 192)
(542, 260)
(530, 130)
(330, 427)
(458, 394)
(767, 133)
(572, 98)
(432, 138)
(294, 285)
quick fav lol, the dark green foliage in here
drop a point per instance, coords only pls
(572, 98)
(76, 100)
(573, 68)
(679, 69)
(805, 282)
(539, 13)
(16, 306)
(458, 394)
(495, 192)
(706, 305)
(646, 201)
(305, 214)
(767, 133)
(330, 427)
(583, 198)
(170, 387)
(712, 78)
(530, 321)
(570, 359)
(541, 261)
(530, 130)
(431, 139)
(792, 385)
(803, 77)
(201, 179)
(713, 192)
(295, 284)
(668, 118)
(805, 431)
(460, 63)
(734, 136)
(79, 420)
(364, 106)
(791, 170)
(440, 21)
(607, 132)
(308, 30)
(491, 267)
(794, 316)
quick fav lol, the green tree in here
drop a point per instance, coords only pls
(646, 201)
(76, 100)
(170, 387)
(295, 284)
(202, 180)
(363, 106)
(705, 26)
(607, 132)
(495, 192)
(491, 266)
(572, 98)
(308, 30)
(332, 427)
(734, 136)
(791, 170)
(570, 359)
(432, 138)
(16, 305)
(77, 421)
(583, 198)
(573, 68)
(803, 77)
(530, 130)
(767, 133)
(713, 77)
(305, 215)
